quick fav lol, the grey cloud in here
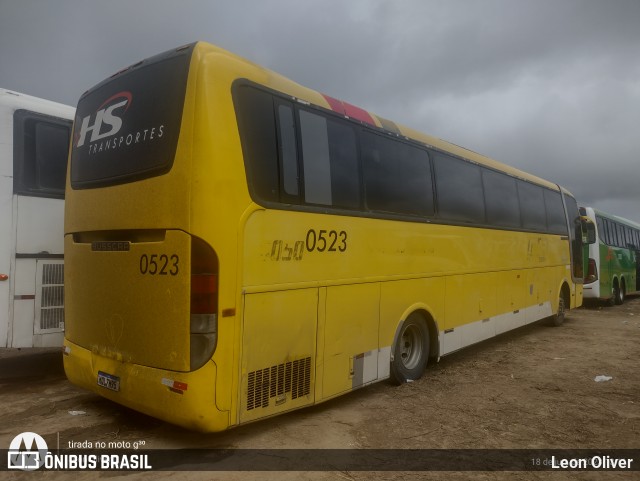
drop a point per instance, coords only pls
(548, 86)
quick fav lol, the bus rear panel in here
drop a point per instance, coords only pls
(143, 305)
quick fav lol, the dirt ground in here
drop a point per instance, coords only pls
(531, 388)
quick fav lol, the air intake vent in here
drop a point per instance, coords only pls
(50, 297)
(276, 381)
(52, 274)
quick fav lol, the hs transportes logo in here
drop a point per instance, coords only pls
(27, 452)
(111, 129)
(105, 116)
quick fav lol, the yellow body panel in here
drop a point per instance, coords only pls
(141, 325)
(145, 389)
(351, 330)
(279, 350)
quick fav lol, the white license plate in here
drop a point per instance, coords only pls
(108, 381)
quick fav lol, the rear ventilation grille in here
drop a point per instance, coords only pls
(50, 296)
(52, 274)
(276, 381)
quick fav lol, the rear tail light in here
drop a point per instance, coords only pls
(204, 303)
(204, 293)
(592, 272)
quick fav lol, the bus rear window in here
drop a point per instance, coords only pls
(127, 127)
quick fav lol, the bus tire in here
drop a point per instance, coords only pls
(558, 318)
(411, 350)
(620, 294)
(613, 300)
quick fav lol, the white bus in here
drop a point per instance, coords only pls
(34, 140)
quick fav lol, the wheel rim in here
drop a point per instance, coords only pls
(411, 347)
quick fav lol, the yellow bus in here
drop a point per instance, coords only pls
(238, 246)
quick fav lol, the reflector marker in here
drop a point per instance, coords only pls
(175, 386)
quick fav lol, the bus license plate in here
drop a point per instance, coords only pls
(108, 381)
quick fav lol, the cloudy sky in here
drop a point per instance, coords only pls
(549, 86)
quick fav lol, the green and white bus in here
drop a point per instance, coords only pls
(614, 267)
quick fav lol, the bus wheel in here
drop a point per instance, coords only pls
(411, 350)
(615, 294)
(620, 294)
(558, 318)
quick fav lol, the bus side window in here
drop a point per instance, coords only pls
(620, 229)
(40, 155)
(345, 170)
(397, 176)
(501, 196)
(556, 221)
(315, 158)
(258, 134)
(609, 234)
(601, 231)
(531, 206)
(330, 161)
(459, 190)
(288, 151)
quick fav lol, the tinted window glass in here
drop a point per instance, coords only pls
(613, 236)
(315, 158)
(621, 242)
(601, 230)
(52, 149)
(556, 221)
(127, 127)
(258, 134)
(41, 149)
(397, 176)
(459, 189)
(532, 206)
(501, 196)
(345, 172)
(288, 149)
(613, 233)
(330, 161)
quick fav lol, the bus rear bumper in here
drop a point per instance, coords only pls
(183, 398)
